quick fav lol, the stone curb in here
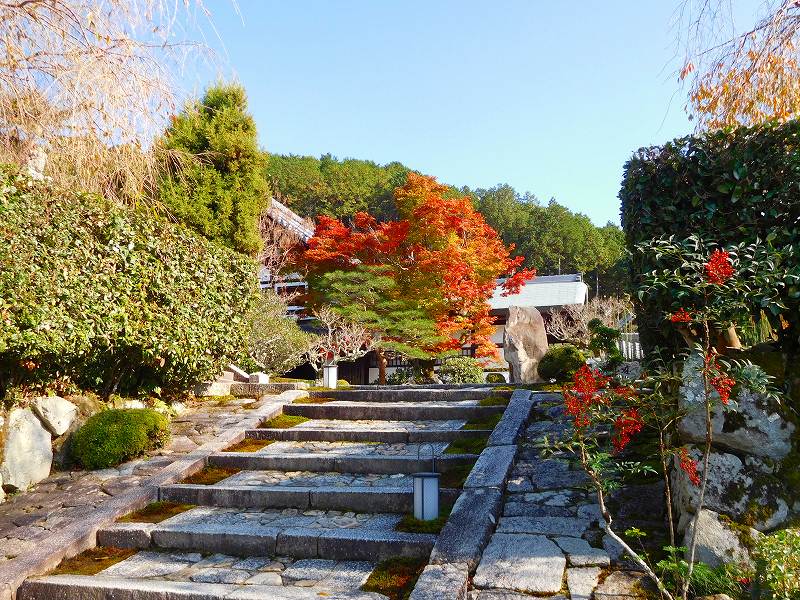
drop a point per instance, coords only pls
(439, 582)
(492, 469)
(389, 412)
(514, 419)
(382, 465)
(81, 535)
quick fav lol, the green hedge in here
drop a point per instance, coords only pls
(117, 299)
(726, 187)
(561, 362)
(113, 436)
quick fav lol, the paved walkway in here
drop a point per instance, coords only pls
(307, 515)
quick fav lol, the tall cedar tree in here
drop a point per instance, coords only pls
(215, 182)
(442, 256)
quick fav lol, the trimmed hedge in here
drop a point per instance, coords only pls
(113, 436)
(461, 369)
(725, 187)
(117, 299)
(561, 362)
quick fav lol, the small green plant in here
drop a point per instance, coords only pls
(342, 383)
(777, 559)
(461, 369)
(395, 577)
(400, 377)
(113, 436)
(494, 401)
(495, 378)
(410, 524)
(705, 581)
(561, 362)
(603, 342)
(469, 445)
(283, 422)
(487, 423)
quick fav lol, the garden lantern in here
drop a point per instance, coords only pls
(330, 374)
(426, 490)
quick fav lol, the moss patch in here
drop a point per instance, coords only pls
(484, 422)
(283, 422)
(249, 445)
(455, 477)
(395, 577)
(91, 562)
(313, 400)
(470, 445)
(409, 524)
(495, 401)
(155, 512)
(210, 475)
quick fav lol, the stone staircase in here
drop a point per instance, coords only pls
(307, 516)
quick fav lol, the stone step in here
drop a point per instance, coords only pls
(352, 448)
(85, 587)
(362, 464)
(410, 395)
(409, 411)
(324, 497)
(266, 532)
(397, 436)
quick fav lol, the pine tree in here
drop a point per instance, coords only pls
(215, 180)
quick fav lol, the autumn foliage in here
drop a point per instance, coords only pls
(440, 252)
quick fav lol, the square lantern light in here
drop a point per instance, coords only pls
(426, 490)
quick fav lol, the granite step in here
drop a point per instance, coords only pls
(411, 395)
(356, 463)
(405, 411)
(86, 587)
(360, 434)
(264, 532)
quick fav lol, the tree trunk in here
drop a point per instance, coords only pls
(381, 366)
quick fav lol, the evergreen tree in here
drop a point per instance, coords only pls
(215, 181)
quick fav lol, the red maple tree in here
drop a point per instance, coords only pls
(441, 253)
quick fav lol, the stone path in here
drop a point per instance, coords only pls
(304, 517)
(549, 540)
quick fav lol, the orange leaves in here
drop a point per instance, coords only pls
(441, 253)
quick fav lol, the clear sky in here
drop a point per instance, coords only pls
(549, 96)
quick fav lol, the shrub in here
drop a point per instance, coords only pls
(495, 378)
(117, 299)
(400, 377)
(726, 187)
(777, 559)
(560, 362)
(113, 436)
(276, 344)
(461, 369)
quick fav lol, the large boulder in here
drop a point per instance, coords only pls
(753, 424)
(524, 343)
(55, 413)
(27, 453)
(721, 542)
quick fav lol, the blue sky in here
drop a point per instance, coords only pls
(550, 97)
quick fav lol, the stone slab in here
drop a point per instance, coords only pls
(126, 535)
(442, 582)
(468, 528)
(581, 554)
(526, 563)
(492, 467)
(514, 418)
(623, 585)
(560, 526)
(582, 581)
(373, 545)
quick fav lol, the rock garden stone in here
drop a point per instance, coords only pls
(27, 453)
(55, 413)
(718, 543)
(526, 563)
(623, 585)
(582, 581)
(524, 343)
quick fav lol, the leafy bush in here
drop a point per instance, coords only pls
(400, 377)
(117, 299)
(461, 369)
(113, 436)
(277, 344)
(495, 378)
(777, 559)
(726, 187)
(560, 362)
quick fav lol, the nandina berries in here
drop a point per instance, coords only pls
(719, 268)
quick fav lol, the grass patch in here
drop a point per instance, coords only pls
(469, 445)
(313, 400)
(210, 475)
(283, 422)
(455, 477)
(395, 577)
(536, 387)
(411, 525)
(249, 445)
(91, 562)
(155, 512)
(494, 401)
(484, 422)
(290, 380)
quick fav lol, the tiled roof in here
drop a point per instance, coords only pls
(544, 292)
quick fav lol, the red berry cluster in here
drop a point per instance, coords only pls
(583, 394)
(688, 465)
(719, 268)
(682, 316)
(628, 423)
(724, 385)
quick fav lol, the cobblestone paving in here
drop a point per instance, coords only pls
(317, 479)
(335, 425)
(64, 497)
(352, 448)
(318, 574)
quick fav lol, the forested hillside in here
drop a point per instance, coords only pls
(551, 237)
